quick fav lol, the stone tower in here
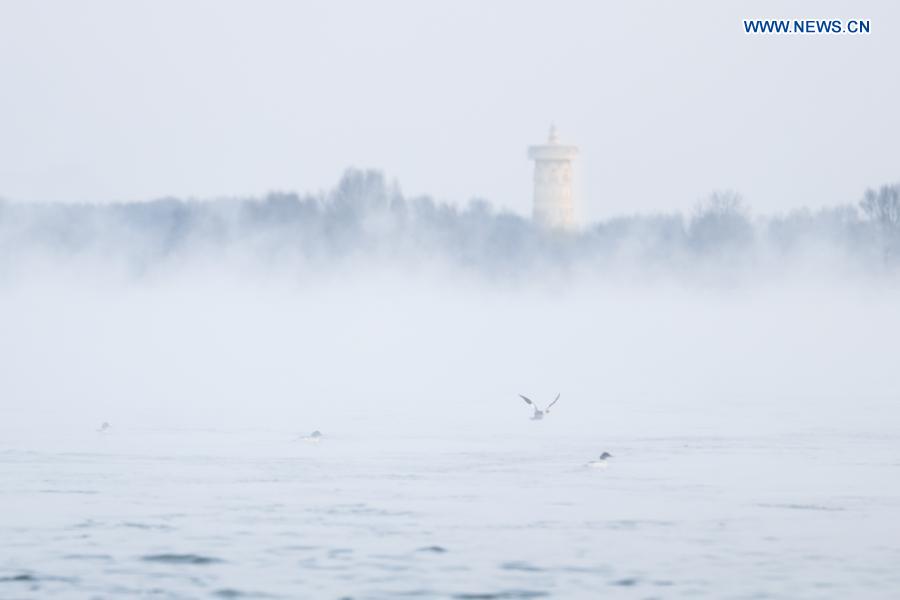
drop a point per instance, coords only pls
(553, 206)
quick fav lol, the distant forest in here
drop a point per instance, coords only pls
(365, 217)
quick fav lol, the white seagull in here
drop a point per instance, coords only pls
(538, 413)
(600, 463)
(104, 427)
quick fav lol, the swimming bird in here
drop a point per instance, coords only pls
(315, 437)
(538, 413)
(104, 427)
(600, 463)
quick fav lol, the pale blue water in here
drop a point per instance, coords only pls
(257, 514)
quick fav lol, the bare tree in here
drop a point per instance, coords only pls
(720, 222)
(882, 208)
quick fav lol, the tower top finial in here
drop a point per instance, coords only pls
(553, 138)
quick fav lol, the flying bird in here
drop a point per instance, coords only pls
(600, 463)
(104, 427)
(538, 413)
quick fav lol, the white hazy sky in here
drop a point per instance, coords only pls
(131, 100)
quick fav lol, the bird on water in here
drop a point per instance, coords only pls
(601, 462)
(315, 437)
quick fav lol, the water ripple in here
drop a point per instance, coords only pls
(504, 595)
(181, 559)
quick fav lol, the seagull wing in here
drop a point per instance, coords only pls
(554, 402)
(527, 400)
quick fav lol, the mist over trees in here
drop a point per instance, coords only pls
(367, 219)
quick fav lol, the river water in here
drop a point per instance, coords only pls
(260, 513)
(754, 433)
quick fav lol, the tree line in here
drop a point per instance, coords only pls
(367, 217)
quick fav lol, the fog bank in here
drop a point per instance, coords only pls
(363, 311)
(366, 223)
